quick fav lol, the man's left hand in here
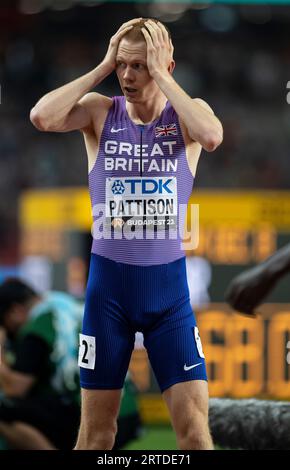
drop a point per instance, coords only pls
(159, 48)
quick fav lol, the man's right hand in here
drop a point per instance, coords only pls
(248, 290)
(110, 57)
(68, 108)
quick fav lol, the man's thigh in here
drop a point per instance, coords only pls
(107, 338)
(188, 403)
(174, 349)
(100, 407)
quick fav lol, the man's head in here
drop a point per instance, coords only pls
(135, 80)
(16, 300)
(135, 34)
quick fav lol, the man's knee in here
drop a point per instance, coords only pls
(194, 434)
(188, 405)
(196, 441)
(103, 439)
(100, 437)
(99, 419)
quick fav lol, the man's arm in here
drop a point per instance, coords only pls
(68, 108)
(202, 125)
(30, 361)
(248, 289)
(14, 384)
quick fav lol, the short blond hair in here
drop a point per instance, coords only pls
(135, 34)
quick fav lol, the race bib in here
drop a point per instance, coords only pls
(141, 201)
(87, 351)
(198, 342)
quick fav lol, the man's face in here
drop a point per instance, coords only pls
(135, 81)
(15, 318)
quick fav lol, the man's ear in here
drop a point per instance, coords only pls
(171, 66)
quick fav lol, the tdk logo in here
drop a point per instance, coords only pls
(149, 186)
(118, 187)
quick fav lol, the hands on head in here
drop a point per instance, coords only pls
(110, 57)
(159, 45)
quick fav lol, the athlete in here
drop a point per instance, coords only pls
(143, 149)
(248, 290)
(39, 390)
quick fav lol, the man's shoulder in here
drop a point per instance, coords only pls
(98, 107)
(95, 101)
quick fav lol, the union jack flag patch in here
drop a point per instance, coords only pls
(167, 129)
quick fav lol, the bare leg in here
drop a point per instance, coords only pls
(98, 427)
(188, 407)
(23, 436)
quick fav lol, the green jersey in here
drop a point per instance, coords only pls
(57, 321)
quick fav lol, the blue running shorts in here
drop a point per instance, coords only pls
(122, 299)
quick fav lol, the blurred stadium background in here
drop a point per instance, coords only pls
(236, 57)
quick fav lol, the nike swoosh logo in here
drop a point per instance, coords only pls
(118, 130)
(191, 367)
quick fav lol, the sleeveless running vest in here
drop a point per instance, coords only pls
(139, 188)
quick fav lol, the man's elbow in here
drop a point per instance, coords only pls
(38, 120)
(212, 141)
(15, 390)
(10, 390)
